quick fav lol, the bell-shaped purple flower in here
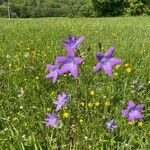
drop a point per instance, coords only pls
(70, 63)
(133, 112)
(62, 100)
(106, 61)
(111, 124)
(54, 71)
(51, 119)
(73, 43)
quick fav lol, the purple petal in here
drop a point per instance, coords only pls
(64, 94)
(109, 52)
(61, 59)
(108, 69)
(65, 68)
(99, 56)
(74, 71)
(131, 116)
(55, 77)
(80, 40)
(78, 60)
(71, 39)
(115, 61)
(70, 52)
(131, 104)
(139, 107)
(65, 43)
(56, 102)
(49, 66)
(98, 67)
(114, 126)
(49, 75)
(125, 112)
(137, 114)
(59, 97)
(58, 107)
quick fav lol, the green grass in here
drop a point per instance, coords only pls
(36, 42)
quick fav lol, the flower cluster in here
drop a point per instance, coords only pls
(133, 112)
(70, 63)
(52, 119)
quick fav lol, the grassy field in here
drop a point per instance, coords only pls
(27, 45)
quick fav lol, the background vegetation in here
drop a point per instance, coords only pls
(73, 8)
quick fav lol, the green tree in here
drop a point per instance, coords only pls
(108, 7)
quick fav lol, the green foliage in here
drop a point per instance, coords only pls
(137, 7)
(121, 7)
(47, 8)
(108, 7)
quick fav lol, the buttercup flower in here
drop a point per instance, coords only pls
(106, 61)
(65, 115)
(111, 124)
(133, 112)
(128, 70)
(73, 43)
(62, 100)
(140, 124)
(54, 71)
(51, 119)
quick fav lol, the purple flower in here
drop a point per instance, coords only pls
(106, 61)
(51, 119)
(73, 42)
(133, 112)
(62, 100)
(54, 71)
(70, 63)
(111, 125)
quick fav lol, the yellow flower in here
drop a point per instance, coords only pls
(10, 65)
(117, 66)
(107, 103)
(65, 115)
(48, 109)
(82, 55)
(114, 34)
(16, 56)
(37, 78)
(131, 123)
(82, 104)
(97, 104)
(52, 93)
(18, 69)
(115, 74)
(148, 82)
(128, 70)
(140, 124)
(92, 93)
(81, 121)
(14, 119)
(28, 48)
(90, 104)
(126, 65)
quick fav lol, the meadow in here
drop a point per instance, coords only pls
(26, 96)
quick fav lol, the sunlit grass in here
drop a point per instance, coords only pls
(26, 46)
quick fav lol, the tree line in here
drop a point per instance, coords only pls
(73, 8)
